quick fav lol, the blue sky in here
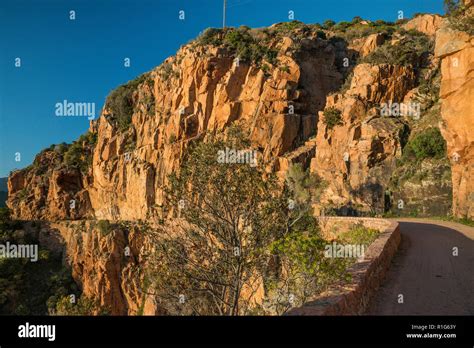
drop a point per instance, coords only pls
(83, 60)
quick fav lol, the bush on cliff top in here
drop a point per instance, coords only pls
(79, 153)
(332, 117)
(458, 17)
(120, 102)
(408, 51)
(247, 48)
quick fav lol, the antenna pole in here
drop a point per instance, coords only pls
(223, 21)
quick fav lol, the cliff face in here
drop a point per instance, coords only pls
(456, 51)
(362, 150)
(202, 89)
(107, 262)
(207, 93)
(120, 171)
(47, 190)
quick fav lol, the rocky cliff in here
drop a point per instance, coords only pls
(455, 49)
(304, 94)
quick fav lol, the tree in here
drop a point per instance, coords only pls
(83, 306)
(328, 24)
(304, 189)
(371, 194)
(241, 242)
(225, 217)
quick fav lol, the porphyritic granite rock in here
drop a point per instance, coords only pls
(456, 51)
(280, 102)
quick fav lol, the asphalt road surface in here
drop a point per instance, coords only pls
(431, 279)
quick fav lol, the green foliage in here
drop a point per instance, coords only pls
(120, 102)
(350, 31)
(227, 206)
(347, 83)
(321, 34)
(285, 68)
(247, 48)
(305, 187)
(60, 148)
(305, 250)
(464, 220)
(359, 235)
(458, 16)
(5, 215)
(332, 117)
(211, 36)
(328, 24)
(83, 306)
(26, 287)
(79, 153)
(307, 269)
(104, 227)
(409, 51)
(22, 194)
(167, 71)
(172, 139)
(342, 25)
(287, 27)
(427, 144)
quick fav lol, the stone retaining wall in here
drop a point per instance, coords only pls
(352, 298)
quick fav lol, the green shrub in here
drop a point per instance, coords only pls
(172, 139)
(408, 52)
(427, 144)
(211, 36)
(328, 24)
(332, 117)
(22, 194)
(247, 48)
(358, 30)
(287, 27)
(166, 71)
(79, 153)
(359, 234)
(88, 139)
(321, 34)
(342, 25)
(84, 307)
(458, 17)
(104, 227)
(60, 148)
(285, 68)
(120, 102)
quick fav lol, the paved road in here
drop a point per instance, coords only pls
(431, 280)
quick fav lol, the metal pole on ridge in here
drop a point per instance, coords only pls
(223, 20)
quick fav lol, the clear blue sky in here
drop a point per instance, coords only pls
(82, 60)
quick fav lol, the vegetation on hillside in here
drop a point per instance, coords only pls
(410, 50)
(332, 117)
(233, 232)
(120, 102)
(26, 287)
(427, 144)
(242, 42)
(458, 16)
(79, 153)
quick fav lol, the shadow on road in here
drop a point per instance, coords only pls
(432, 274)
